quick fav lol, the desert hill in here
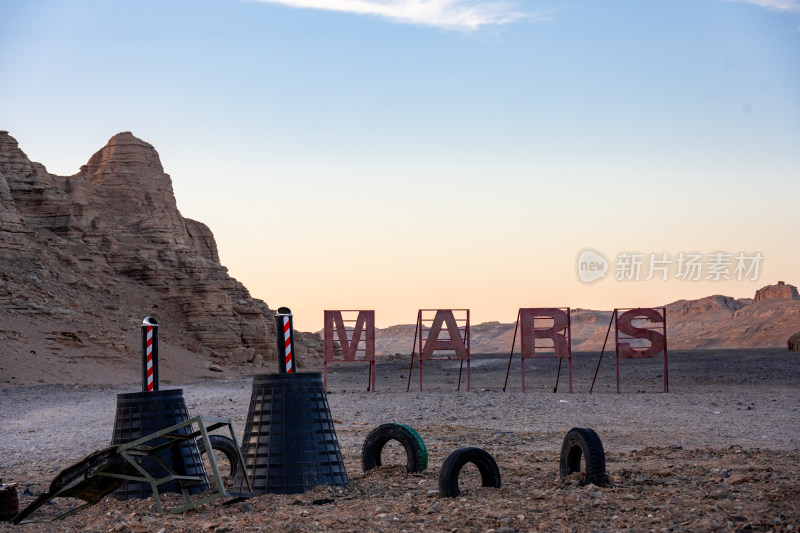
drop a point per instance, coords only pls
(766, 321)
(84, 258)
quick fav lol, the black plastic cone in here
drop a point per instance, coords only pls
(289, 442)
(142, 413)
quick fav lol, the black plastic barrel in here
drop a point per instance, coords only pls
(289, 442)
(142, 413)
(9, 501)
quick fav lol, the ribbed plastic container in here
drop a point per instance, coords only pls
(142, 413)
(289, 442)
(9, 501)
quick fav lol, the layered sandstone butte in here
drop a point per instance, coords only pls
(780, 291)
(86, 257)
(713, 322)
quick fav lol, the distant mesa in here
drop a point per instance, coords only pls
(779, 291)
(712, 322)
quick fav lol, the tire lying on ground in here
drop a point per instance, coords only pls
(451, 468)
(583, 443)
(416, 451)
(227, 447)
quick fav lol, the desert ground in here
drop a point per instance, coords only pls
(719, 452)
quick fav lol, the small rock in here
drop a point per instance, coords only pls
(31, 490)
(738, 478)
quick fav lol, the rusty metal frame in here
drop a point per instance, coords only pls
(662, 329)
(348, 332)
(123, 462)
(131, 451)
(528, 350)
(460, 345)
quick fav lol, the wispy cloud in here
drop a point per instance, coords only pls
(453, 14)
(788, 6)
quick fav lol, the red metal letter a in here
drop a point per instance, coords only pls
(455, 342)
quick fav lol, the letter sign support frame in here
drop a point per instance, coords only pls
(655, 332)
(355, 335)
(430, 341)
(526, 325)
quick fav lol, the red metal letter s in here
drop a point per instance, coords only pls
(657, 340)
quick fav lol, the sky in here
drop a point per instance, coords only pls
(404, 154)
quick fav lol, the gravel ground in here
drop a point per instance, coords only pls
(719, 452)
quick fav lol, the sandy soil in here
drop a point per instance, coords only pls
(719, 452)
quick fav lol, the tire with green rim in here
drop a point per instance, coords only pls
(416, 451)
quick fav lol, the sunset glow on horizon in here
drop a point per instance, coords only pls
(378, 155)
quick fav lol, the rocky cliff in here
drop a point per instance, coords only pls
(86, 257)
(779, 291)
(766, 321)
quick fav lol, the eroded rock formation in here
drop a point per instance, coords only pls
(99, 250)
(779, 291)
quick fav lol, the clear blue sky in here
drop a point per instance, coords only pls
(435, 154)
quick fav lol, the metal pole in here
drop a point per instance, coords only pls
(419, 321)
(413, 350)
(569, 332)
(149, 354)
(616, 348)
(513, 342)
(666, 374)
(469, 352)
(603, 350)
(558, 374)
(284, 329)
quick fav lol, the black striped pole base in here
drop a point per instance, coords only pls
(289, 442)
(142, 413)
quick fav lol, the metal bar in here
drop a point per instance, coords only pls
(212, 460)
(413, 349)
(510, 355)
(666, 372)
(419, 321)
(603, 350)
(616, 347)
(569, 346)
(70, 512)
(558, 374)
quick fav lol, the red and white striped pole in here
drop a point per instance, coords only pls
(149, 354)
(284, 328)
